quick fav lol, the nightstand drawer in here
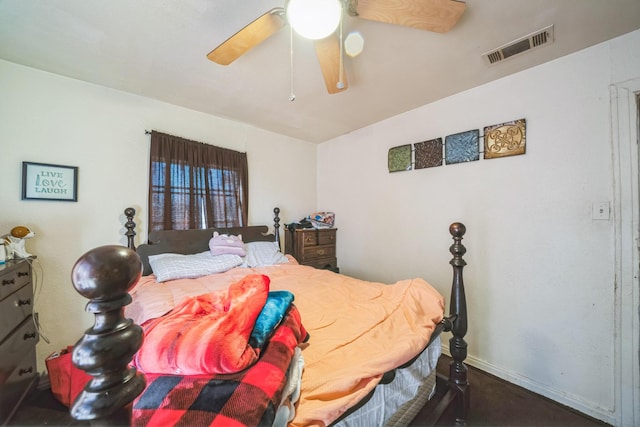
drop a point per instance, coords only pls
(23, 369)
(15, 387)
(310, 238)
(14, 309)
(14, 279)
(319, 252)
(327, 237)
(324, 264)
(14, 349)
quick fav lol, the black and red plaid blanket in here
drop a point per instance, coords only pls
(247, 398)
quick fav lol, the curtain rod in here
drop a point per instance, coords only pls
(147, 132)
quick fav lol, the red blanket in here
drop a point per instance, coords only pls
(248, 398)
(206, 334)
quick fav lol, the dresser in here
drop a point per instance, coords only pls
(18, 336)
(314, 247)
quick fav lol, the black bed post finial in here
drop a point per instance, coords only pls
(130, 226)
(458, 381)
(276, 225)
(104, 275)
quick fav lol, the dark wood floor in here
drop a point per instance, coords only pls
(494, 402)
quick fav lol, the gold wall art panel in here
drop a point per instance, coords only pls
(506, 139)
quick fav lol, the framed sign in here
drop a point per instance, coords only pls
(41, 181)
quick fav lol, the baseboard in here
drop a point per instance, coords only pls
(573, 402)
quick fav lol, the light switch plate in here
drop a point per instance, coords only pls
(600, 211)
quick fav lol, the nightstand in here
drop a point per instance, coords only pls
(313, 247)
(18, 336)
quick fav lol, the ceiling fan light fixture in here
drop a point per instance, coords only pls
(314, 19)
(354, 44)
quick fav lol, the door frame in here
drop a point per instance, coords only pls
(626, 213)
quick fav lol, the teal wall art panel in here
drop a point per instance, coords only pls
(462, 147)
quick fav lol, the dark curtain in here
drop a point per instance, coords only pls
(195, 185)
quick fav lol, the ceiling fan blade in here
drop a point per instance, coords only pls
(328, 52)
(252, 35)
(430, 15)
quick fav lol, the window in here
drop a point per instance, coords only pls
(195, 185)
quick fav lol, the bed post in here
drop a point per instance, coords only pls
(276, 225)
(130, 226)
(104, 275)
(458, 382)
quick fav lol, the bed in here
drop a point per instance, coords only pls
(260, 339)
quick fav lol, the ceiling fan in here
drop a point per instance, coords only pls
(430, 15)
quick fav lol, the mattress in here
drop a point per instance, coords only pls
(398, 402)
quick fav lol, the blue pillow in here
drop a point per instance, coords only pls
(277, 305)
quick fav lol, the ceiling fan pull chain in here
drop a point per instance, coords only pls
(340, 84)
(292, 96)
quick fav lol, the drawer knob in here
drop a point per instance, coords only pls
(23, 273)
(25, 371)
(21, 302)
(27, 336)
(320, 252)
(8, 282)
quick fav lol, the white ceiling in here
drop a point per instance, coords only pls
(158, 48)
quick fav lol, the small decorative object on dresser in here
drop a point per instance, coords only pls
(18, 336)
(314, 247)
(15, 242)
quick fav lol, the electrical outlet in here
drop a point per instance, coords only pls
(600, 211)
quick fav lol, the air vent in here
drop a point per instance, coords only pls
(532, 41)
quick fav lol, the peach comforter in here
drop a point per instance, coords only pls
(358, 330)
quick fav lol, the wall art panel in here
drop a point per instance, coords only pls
(506, 139)
(428, 154)
(462, 147)
(399, 158)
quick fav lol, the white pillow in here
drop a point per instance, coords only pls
(178, 266)
(261, 254)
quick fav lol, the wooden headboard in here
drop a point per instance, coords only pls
(193, 241)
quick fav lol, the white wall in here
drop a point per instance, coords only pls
(47, 118)
(540, 274)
